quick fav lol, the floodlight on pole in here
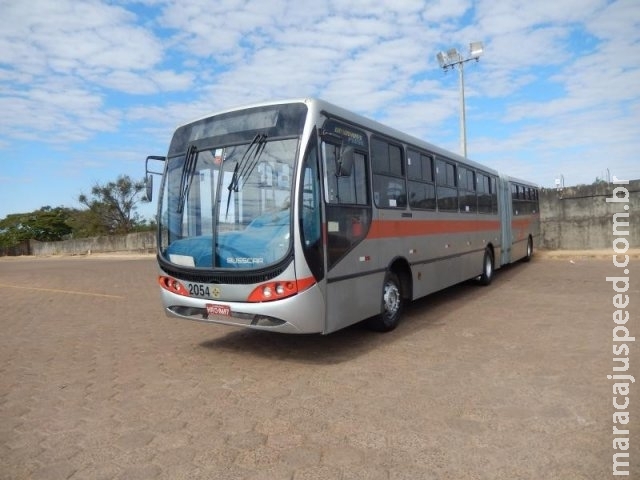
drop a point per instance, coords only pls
(450, 59)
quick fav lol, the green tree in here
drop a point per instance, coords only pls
(85, 223)
(111, 207)
(46, 225)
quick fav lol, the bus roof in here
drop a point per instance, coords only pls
(391, 132)
(321, 106)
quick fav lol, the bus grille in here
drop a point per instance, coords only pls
(231, 278)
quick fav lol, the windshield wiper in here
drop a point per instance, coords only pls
(187, 174)
(251, 164)
(245, 166)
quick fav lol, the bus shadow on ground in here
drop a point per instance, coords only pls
(427, 313)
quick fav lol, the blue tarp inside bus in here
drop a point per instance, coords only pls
(264, 241)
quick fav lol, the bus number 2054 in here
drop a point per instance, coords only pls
(199, 290)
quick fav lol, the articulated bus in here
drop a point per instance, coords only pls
(303, 217)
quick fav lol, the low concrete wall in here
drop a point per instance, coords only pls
(143, 242)
(580, 218)
(23, 248)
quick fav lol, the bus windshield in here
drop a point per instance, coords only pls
(227, 206)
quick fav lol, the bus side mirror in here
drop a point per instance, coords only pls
(345, 161)
(148, 184)
(148, 176)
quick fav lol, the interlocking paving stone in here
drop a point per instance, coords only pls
(477, 383)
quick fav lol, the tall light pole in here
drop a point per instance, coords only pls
(450, 59)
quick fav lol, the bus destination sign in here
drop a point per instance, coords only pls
(350, 135)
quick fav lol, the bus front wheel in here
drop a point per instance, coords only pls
(392, 305)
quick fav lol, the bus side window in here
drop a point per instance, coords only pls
(484, 193)
(515, 204)
(422, 192)
(447, 186)
(494, 195)
(467, 190)
(345, 189)
(389, 185)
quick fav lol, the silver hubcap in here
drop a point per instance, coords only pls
(487, 266)
(391, 298)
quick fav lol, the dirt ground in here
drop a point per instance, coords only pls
(499, 382)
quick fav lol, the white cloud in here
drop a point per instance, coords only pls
(58, 58)
(509, 16)
(71, 34)
(442, 10)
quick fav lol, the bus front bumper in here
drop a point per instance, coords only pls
(301, 313)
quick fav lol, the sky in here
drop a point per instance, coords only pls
(88, 89)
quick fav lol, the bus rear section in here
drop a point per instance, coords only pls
(520, 219)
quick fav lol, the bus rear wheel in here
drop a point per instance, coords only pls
(392, 305)
(529, 250)
(487, 268)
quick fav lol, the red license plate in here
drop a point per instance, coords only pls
(214, 309)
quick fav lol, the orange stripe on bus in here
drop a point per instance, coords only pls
(522, 222)
(400, 228)
(522, 226)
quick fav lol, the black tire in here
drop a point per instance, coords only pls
(529, 254)
(487, 268)
(392, 305)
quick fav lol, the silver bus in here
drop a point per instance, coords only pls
(303, 217)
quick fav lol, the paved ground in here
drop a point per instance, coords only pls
(503, 382)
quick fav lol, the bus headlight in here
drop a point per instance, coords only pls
(172, 285)
(277, 290)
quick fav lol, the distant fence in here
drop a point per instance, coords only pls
(142, 242)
